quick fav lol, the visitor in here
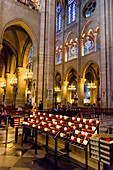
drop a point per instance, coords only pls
(3, 116)
(68, 106)
(40, 105)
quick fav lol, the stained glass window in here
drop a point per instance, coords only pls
(89, 8)
(71, 11)
(58, 18)
(90, 46)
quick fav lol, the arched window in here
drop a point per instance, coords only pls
(29, 61)
(88, 46)
(71, 11)
(72, 51)
(58, 18)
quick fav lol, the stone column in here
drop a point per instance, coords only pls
(59, 55)
(65, 53)
(9, 90)
(82, 46)
(87, 38)
(75, 45)
(96, 92)
(64, 92)
(80, 91)
(1, 90)
(69, 50)
(21, 84)
(95, 41)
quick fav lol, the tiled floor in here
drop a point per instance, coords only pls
(17, 157)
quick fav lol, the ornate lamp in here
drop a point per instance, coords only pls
(91, 86)
(57, 89)
(3, 84)
(71, 88)
(13, 82)
(28, 76)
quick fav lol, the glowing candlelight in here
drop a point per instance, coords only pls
(93, 128)
(78, 119)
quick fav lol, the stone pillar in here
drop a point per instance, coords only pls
(69, 50)
(82, 47)
(9, 90)
(80, 91)
(64, 92)
(65, 53)
(87, 38)
(1, 90)
(95, 41)
(75, 45)
(59, 56)
(96, 92)
(21, 84)
(91, 96)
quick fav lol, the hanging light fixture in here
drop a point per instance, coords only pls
(57, 89)
(91, 86)
(71, 88)
(13, 82)
(28, 76)
(3, 84)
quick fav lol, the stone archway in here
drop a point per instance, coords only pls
(17, 41)
(91, 84)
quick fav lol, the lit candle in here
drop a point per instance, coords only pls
(60, 116)
(73, 118)
(93, 128)
(85, 142)
(86, 134)
(76, 131)
(57, 126)
(37, 121)
(45, 129)
(97, 122)
(69, 123)
(83, 133)
(38, 113)
(41, 118)
(28, 119)
(31, 115)
(54, 131)
(90, 121)
(57, 116)
(31, 120)
(44, 114)
(80, 125)
(86, 127)
(78, 119)
(84, 120)
(65, 117)
(50, 115)
(74, 127)
(47, 118)
(33, 125)
(78, 140)
(49, 124)
(61, 135)
(73, 138)
(39, 127)
(43, 123)
(65, 128)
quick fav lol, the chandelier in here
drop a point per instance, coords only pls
(3, 84)
(28, 76)
(13, 82)
(57, 89)
(71, 88)
(91, 86)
